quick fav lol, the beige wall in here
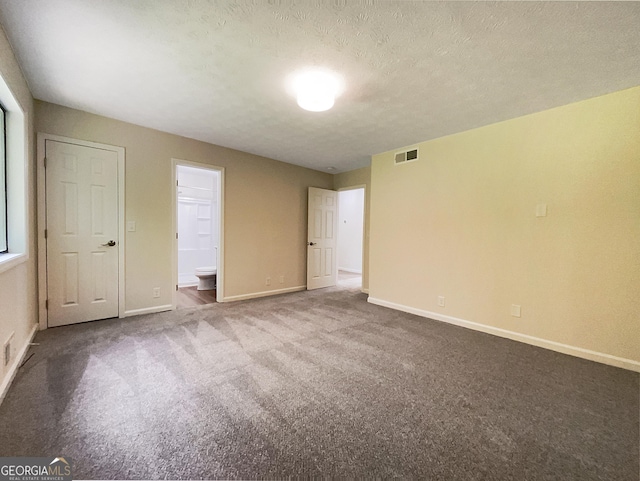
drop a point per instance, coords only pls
(18, 285)
(461, 223)
(265, 206)
(359, 178)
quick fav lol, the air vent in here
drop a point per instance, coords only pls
(406, 156)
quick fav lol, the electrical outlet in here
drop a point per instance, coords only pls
(156, 292)
(515, 310)
(7, 352)
(441, 301)
(541, 210)
(281, 279)
(268, 281)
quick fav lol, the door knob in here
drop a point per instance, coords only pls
(111, 243)
(311, 243)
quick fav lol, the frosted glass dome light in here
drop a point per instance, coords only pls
(316, 90)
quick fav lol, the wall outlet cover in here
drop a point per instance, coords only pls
(7, 353)
(515, 310)
(541, 210)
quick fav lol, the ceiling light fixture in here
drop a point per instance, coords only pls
(316, 89)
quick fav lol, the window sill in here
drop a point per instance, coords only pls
(10, 260)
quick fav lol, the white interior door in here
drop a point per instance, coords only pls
(82, 233)
(322, 243)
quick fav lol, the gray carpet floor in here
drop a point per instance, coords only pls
(316, 384)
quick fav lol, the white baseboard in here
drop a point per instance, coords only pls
(148, 310)
(4, 388)
(351, 271)
(515, 336)
(254, 295)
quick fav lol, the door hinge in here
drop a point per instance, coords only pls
(45, 162)
(176, 287)
(176, 235)
(46, 304)
(46, 233)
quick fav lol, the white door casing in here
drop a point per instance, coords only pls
(82, 222)
(322, 238)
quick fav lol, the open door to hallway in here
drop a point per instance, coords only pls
(350, 236)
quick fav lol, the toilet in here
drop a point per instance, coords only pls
(206, 278)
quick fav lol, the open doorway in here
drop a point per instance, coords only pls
(350, 236)
(198, 234)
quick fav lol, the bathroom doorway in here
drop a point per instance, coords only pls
(198, 228)
(350, 236)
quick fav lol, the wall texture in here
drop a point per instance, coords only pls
(461, 223)
(18, 285)
(359, 178)
(265, 206)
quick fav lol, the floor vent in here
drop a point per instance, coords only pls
(406, 156)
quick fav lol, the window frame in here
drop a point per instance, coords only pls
(4, 199)
(17, 178)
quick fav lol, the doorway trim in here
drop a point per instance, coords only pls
(42, 219)
(174, 222)
(365, 222)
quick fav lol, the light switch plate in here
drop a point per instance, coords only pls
(541, 210)
(131, 226)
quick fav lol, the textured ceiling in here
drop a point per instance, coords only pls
(413, 71)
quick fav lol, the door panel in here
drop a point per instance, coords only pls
(82, 217)
(322, 228)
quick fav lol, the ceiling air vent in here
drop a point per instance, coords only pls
(406, 156)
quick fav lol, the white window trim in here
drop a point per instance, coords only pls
(3, 183)
(17, 175)
(9, 260)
